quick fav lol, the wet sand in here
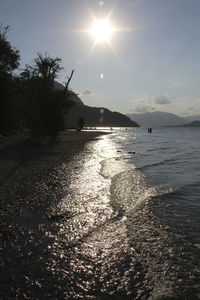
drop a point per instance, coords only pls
(60, 236)
(33, 179)
(24, 166)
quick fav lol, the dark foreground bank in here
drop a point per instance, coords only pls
(33, 179)
(24, 167)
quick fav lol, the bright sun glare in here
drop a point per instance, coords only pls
(102, 30)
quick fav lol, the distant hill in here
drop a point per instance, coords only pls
(74, 97)
(94, 116)
(97, 117)
(157, 119)
(192, 118)
(192, 124)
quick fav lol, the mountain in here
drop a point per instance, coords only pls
(97, 117)
(192, 118)
(192, 124)
(73, 96)
(93, 116)
(157, 119)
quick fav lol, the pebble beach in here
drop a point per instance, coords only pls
(29, 173)
(33, 180)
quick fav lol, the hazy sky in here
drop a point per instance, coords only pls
(151, 62)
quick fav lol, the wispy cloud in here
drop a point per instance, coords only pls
(87, 92)
(192, 109)
(142, 105)
(143, 109)
(149, 103)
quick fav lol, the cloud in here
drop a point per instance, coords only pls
(162, 99)
(191, 108)
(194, 109)
(87, 93)
(143, 109)
(142, 105)
(149, 104)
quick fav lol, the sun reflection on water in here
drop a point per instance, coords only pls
(94, 234)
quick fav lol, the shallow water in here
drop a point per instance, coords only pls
(122, 227)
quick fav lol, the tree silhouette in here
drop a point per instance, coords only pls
(30, 100)
(48, 67)
(45, 107)
(45, 67)
(9, 61)
(9, 57)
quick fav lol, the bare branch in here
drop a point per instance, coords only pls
(68, 81)
(3, 31)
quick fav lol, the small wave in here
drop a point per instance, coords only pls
(158, 163)
(186, 194)
(129, 188)
(162, 231)
(181, 190)
(113, 166)
(159, 148)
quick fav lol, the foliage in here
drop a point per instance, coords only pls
(30, 100)
(9, 61)
(45, 68)
(45, 107)
(9, 57)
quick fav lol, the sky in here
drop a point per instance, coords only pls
(151, 61)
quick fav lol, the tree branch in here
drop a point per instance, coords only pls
(68, 81)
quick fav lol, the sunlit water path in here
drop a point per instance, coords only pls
(114, 232)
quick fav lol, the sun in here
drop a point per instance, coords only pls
(102, 30)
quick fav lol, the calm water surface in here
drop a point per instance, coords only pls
(126, 227)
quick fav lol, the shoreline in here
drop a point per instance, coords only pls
(23, 168)
(32, 236)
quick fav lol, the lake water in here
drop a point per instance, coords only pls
(159, 192)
